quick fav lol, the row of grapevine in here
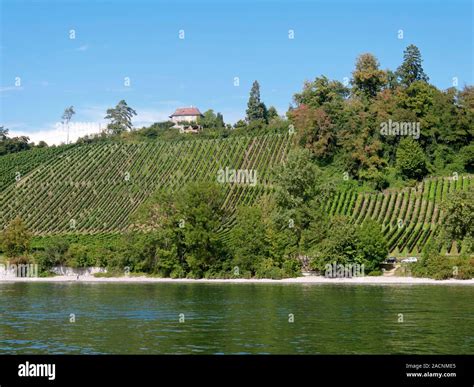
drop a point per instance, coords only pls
(91, 189)
(16, 165)
(409, 217)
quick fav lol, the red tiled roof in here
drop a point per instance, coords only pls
(191, 111)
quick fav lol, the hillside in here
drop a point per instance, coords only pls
(93, 189)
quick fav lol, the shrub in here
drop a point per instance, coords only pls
(78, 256)
(375, 273)
(15, 238)
(45, 262)
(464, 266)
(291, 267)
(434, 265)
(268, 269)
(372, 247)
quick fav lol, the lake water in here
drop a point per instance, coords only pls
(235, 319)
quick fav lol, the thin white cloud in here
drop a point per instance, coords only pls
(55, 134)
(10, 88)
(84, 47)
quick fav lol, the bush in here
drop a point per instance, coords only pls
(109, 274)
(375, 273)
(15, 238)
(291, 267)
(372, 247)
(248, 242)
(45, 262)
(464, 266)
(78, 256)
(458, 221)
(347, 243)
(46, 274)
(437, 266)
(178, 272)
(268, 269)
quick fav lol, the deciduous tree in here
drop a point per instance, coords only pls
(15, 238)
(367, 78)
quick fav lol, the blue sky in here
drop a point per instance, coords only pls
(222, 40)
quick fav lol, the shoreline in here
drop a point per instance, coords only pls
(382, 280)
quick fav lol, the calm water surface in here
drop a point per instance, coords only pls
(235, 318)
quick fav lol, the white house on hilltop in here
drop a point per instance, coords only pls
(188, 114)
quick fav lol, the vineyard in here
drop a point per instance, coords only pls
(94, 189)
(16, 165)
(409, 217)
